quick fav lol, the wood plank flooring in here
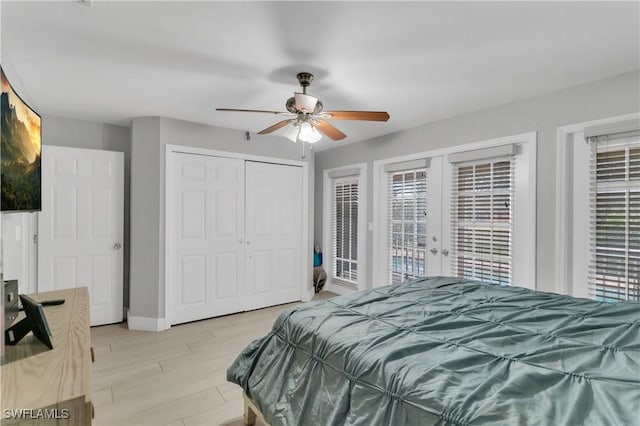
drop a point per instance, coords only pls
(174, 377)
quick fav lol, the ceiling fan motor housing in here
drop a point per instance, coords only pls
(305, 79)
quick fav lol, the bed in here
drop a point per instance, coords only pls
(446, 351)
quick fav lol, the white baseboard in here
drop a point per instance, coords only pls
(146, 324)
(337, 289)
(307, 295)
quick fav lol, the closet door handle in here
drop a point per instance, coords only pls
(240, 240)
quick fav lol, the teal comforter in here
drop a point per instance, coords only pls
(446, 351)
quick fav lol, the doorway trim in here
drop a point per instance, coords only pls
(307, 253)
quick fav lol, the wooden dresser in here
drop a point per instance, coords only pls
(53, 384)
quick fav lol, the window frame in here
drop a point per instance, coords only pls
(358, 171)
(341, 227)
(567, 275)
(612, 187)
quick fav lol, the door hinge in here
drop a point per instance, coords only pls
(35, 238)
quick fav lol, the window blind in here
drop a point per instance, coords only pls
(614, 272)
(482, 220)
(499, 151)
(407, 222)
(345, 230)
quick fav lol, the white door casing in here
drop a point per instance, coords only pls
(207, 236)
(273, 233)
(81, 227)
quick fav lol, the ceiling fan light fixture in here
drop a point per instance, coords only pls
(292, 132)
(308, 133)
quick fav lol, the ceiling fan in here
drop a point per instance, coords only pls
(307, 120)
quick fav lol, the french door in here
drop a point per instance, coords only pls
(414, 225)
(467, 213)
(449, 216)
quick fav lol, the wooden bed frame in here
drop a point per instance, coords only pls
(251, 412)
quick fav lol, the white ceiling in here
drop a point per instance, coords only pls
(420, 61)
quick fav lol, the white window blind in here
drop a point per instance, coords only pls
(407, 213)
(615, 217)
(345, 229)
(482, 219)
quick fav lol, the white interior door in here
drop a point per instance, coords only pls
(19, 249)
(207, 242)
(273, 233)
(81, 227)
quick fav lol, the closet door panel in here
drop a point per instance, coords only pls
(206, 244)
(226, 243)
(274, 233)
(191, 228)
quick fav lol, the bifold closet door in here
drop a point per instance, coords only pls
(207, 245)
(273, 234)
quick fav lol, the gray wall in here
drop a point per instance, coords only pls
(543, 114)
(145, 216)
(150, 135)
(91, 135)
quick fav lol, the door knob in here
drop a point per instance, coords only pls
(434, 251)
(445, 252)
(117, 246)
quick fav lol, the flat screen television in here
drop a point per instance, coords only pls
(20, 150)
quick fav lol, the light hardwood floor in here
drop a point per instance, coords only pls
(174, 377)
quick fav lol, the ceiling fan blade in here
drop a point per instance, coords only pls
(305, 102)
(329, 130)
(275, 127)
(358, 115)
(254, 110)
